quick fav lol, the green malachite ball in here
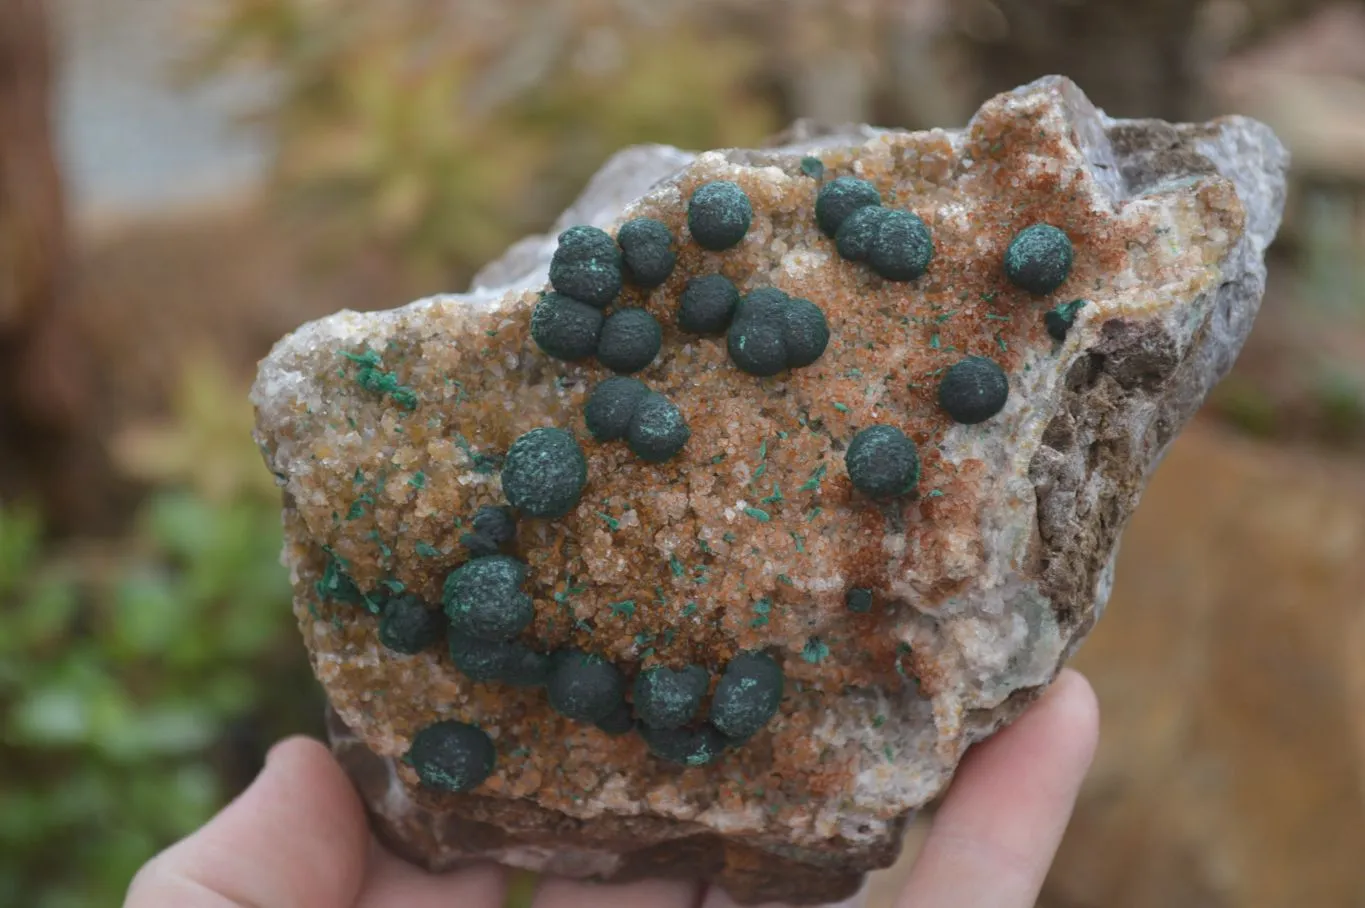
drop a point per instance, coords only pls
(647, 248)
(684, 746)
(901, 247)
(584, 686)
(805, 332)
(452, 756)
(973, 390)
(882, 462)
(565, 328)
(544, 473)
(665, 698)
(611, 405)
(618, 721)
(506, 661)
(756, 346)
(483, 598)
(658, 430)
(707, 305)
(408, 626)
(839, 198)
(854, 239)
(747, 695)
(630, 340)
(1039, 259)
(587, 266)
(718, 215)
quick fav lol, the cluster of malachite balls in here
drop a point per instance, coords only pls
(651, 424)
(895, 243)
(587, 272)
(772, 331)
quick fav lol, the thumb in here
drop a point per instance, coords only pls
(296, 838)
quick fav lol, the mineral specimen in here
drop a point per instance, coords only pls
(865, 616)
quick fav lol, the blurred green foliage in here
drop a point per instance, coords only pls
(440, 132)
(122, 666)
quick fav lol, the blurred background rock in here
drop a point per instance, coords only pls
(182, 181)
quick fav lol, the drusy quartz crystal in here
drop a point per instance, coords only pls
(737, 617)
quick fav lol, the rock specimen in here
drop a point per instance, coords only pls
(862, 613)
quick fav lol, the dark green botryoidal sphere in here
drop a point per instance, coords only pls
(902, 246)
(544, 473)
(1038, 259)
(483, 598)
(507, 661)
(882, 462)
(707, 305)
(584, 686)
(658, 430)
(618, 721)
(491, 528)
(685, 746)
(973, 390)
(747, 695)
(452, 756)
(665, 698)
(1058, 321)
(408, 626)
(859, 600)
(719, 214)
(763, 302)
(611, 405)
(756, 346)
(805, 332)
(630, 340)
(854, 239)
(647, 248)
(565, 328)
(771, 332)
(587, 266)
(839, 198)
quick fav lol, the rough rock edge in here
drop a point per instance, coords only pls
(1129, 365)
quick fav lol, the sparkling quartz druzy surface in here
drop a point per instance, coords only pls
(981, 581)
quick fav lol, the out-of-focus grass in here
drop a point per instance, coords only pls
(123, 666)
(439, 133)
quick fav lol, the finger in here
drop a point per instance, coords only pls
(560, 893)
(394, 882)
(717, 897)
(295, 839)
(998, 829)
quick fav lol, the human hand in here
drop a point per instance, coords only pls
(297, 838)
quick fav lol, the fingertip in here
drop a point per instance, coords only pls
(297, 836)
(1078, 713)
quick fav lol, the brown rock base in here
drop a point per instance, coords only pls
(454, 831)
